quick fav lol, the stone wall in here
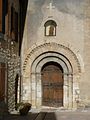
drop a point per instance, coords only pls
(72, 32)
(69, 29)
(85, 81)
(12, 61)
(13, 70)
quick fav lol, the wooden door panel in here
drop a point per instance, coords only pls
(57, 77)
(2, 81)
(58, 94)
(46, 94)
(52, 85)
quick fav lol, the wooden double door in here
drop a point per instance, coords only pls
(52, 85)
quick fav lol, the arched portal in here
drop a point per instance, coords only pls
(57, 61)
(34, 65)
(52, 84)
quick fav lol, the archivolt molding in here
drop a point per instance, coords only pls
(54, 47)
(51, 57)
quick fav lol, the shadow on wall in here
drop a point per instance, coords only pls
(32, 116)
(23, 10)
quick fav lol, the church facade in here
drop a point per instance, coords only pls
(44, 53)
(55, 54)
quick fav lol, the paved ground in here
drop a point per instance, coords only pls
(56, 115)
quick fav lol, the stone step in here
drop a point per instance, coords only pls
(41, 116)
